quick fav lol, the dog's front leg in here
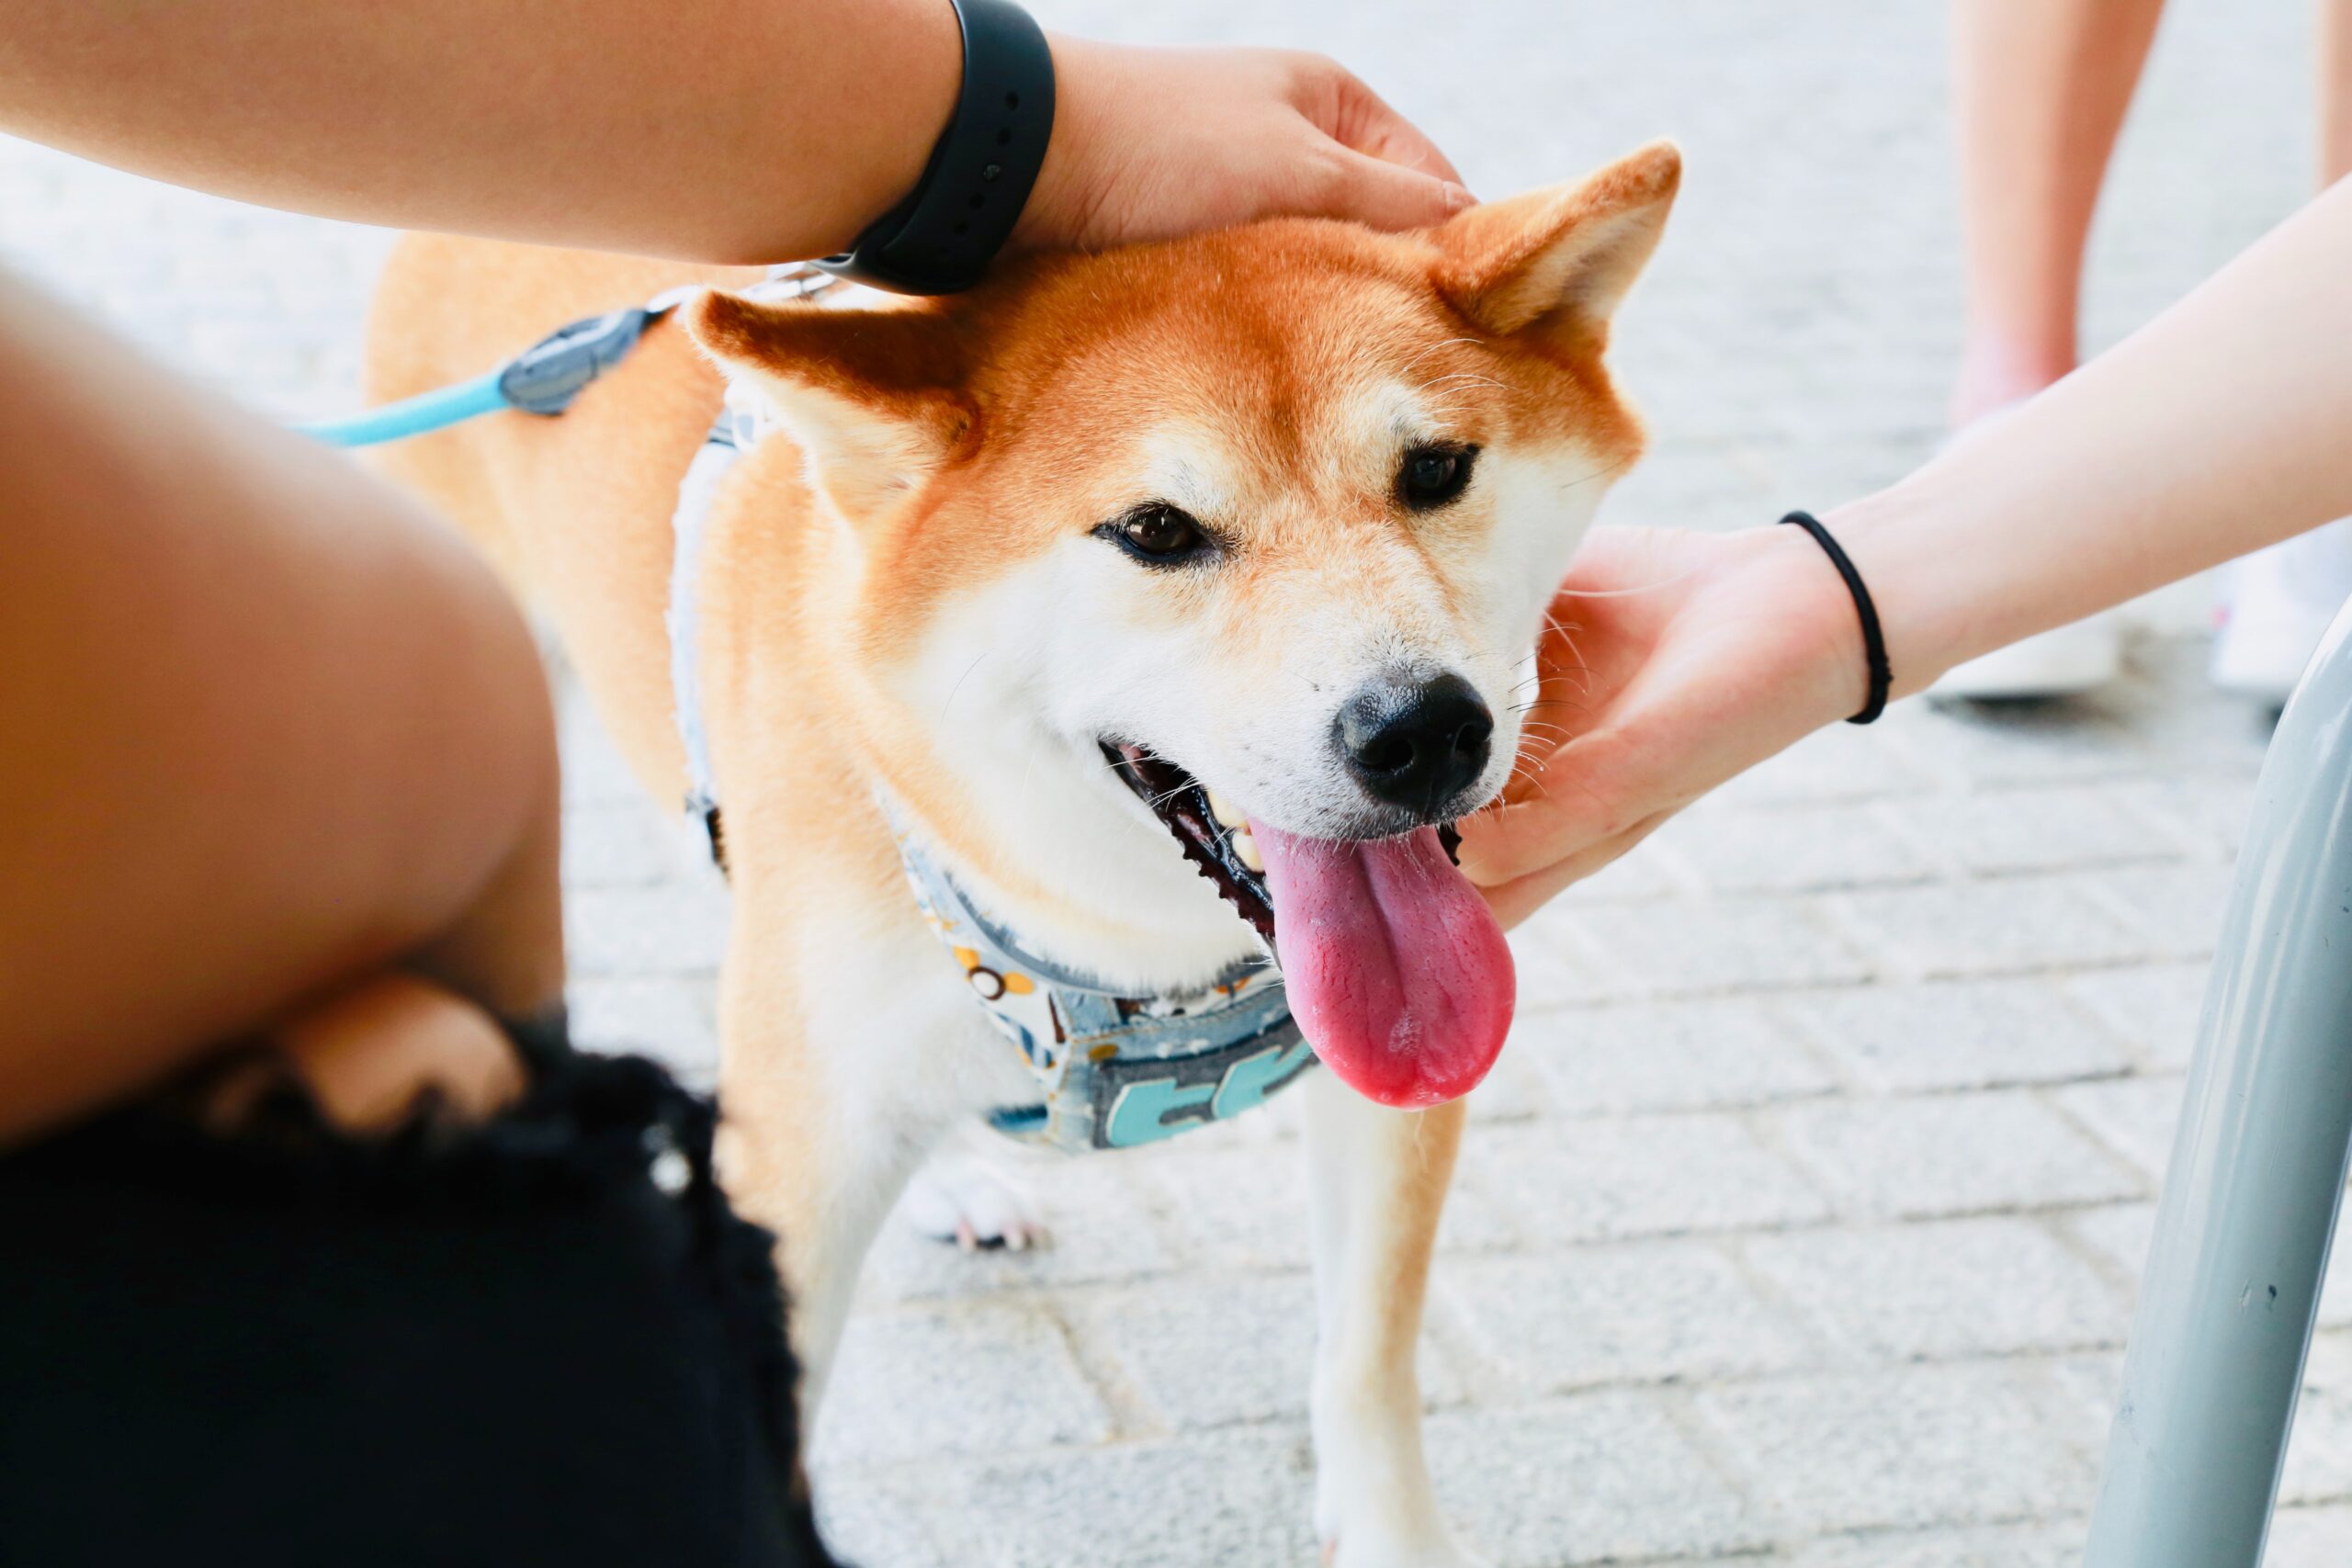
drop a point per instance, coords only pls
(833, 1097)
(1377, 1182)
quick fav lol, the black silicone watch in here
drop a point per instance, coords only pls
(941, 236)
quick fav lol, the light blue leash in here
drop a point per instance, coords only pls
(436, 409)
(542, 379)
(546, 376)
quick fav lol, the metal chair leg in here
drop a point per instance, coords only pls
(2258, 1166)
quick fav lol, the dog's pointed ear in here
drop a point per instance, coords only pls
(870, 396)
(1559, 261)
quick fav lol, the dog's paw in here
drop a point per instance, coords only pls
(973, 1200)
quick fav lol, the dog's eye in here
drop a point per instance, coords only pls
(1431, 476)
(1158, 534)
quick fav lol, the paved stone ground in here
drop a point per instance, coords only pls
(1799, 1223)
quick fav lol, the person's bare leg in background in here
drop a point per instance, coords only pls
(2041, 89)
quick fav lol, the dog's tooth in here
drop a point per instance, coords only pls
(1227, 815)
(1245, 845)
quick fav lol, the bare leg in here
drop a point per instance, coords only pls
(2041, 87)
(270, 728)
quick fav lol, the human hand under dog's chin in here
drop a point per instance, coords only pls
(1153, 143)
(1675, 661)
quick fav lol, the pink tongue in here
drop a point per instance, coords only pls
(1396, 968)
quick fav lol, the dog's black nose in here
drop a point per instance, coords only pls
(1415, 744)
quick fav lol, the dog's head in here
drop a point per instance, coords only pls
(1260, 523)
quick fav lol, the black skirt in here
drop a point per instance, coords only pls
(542, 1341)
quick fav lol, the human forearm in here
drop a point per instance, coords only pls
(724, 132)
(2224, 425)
(741, 133)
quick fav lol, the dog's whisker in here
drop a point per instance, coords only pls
(1600, 473)
(1441, 343)
(1465, 379)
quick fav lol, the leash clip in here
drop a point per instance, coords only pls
(546, 376)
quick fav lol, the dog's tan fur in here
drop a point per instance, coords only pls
(939, 461)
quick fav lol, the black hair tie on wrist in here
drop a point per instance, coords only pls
(1874, 639)
(944, 233)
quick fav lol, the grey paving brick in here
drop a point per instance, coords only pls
(2156, 1008)
(1604, 1478)
(618, 845)
(2049, 829)
(1992, 745)
(1950, 1155)
(1239, 1497)
(2178, 907)
(1668, 1057)
(982, 1377)
(2133, 1116)
(1951, 1034)
(2077, 1395)
(2184, 727)
(1637, 1176)
(2319, 1454)
(1899, 1448)
(2014, 925)
(874, 1517)
(1833, 765)
(1214, 1350)
(1239, 1207)
(666, 928)
(1792, 849)
(1641, 873)
(2117, 1234)
(2310, 1538)
(594, 772)
(2054, 1545)
(1558, 969)
(1099, 1223)
(2319, 1451)
(1650, 1312)
(1513, 1089)
(1690, 947)
(2207, 812)
(1957, 1287)
(658, 1016)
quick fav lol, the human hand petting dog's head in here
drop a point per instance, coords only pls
(1155, 143)
(1671, 660)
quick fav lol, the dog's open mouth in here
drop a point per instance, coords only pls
(1397, 970)
(1222, 851)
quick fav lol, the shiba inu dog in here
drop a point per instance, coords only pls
(1150, 606)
